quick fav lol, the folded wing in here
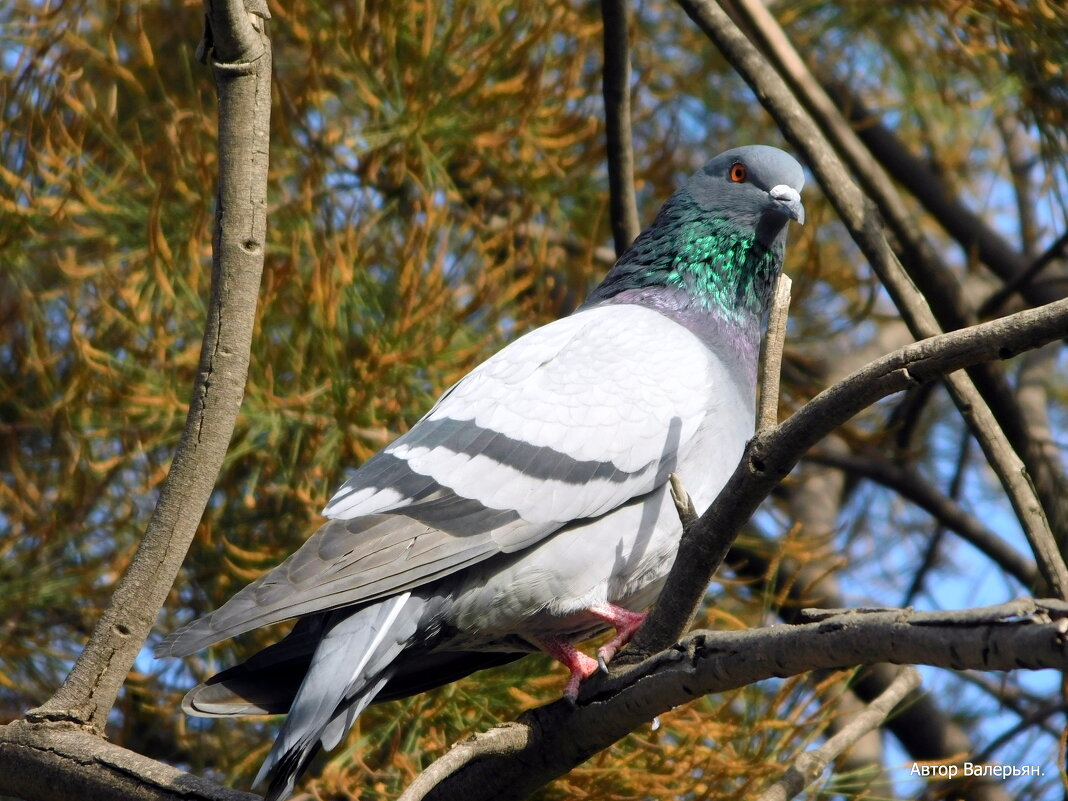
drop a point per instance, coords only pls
(567, 422)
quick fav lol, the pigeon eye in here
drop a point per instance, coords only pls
(738, 172)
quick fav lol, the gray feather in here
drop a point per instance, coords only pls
(345, 563)
(351, 664)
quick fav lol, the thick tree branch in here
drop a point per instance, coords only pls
(512, 762)
(809, 766)
(48, 761)
(864, 224)
(769, 457)
(616, 89)
(242, 74)
(926, 732)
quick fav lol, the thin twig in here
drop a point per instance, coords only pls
(912, 487)
(770, 367)
(934, 544)
(809, 766)
(992, 304)
(1021, 159)
(616, 89)
(683, 502)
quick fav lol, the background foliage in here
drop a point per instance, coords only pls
(438, 186)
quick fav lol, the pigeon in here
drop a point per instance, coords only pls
(530, 509)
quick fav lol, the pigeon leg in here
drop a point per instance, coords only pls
(580, 665)
(624, 622)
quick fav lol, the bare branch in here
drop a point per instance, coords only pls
(616, 88)
(864, 224)
(934, 542)
(558, 736)
(769, 457)
(809, 766)
(1021, 158)
(965, 226)
(771, 357)
(1025, 278)
(923, 729)
(242, 74)
(503, 739)
(973, 234)
(42, 762)
(929, 734)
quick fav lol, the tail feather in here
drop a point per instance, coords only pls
(351, 664)
(265, 683)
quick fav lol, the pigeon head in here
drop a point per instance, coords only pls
(716, 247)
(756, 187)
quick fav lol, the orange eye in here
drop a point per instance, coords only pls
(738, 172)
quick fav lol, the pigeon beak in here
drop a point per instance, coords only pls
(787, 200)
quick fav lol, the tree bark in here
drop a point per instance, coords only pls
(768, 458)
(242, 68)
(514, 760)
(57, 752)
(623, 205)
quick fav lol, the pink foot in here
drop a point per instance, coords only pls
(624, 622)
(580, 665)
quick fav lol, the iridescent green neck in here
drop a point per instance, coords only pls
(705, 261)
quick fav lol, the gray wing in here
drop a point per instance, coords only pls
(568, 422)
(345, 562)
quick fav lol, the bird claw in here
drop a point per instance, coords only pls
(582, 666)
(605, 654)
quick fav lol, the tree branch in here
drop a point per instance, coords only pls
(809, 766)
(770, 367)
(922, 728)
(550, 740)
(1024, 279)
(871, 138)
(940, 506)
(769, 457)
(616, 89)
(863, 221)
(969, 229)
(242, 72)
(47, 761)
(950, 499)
